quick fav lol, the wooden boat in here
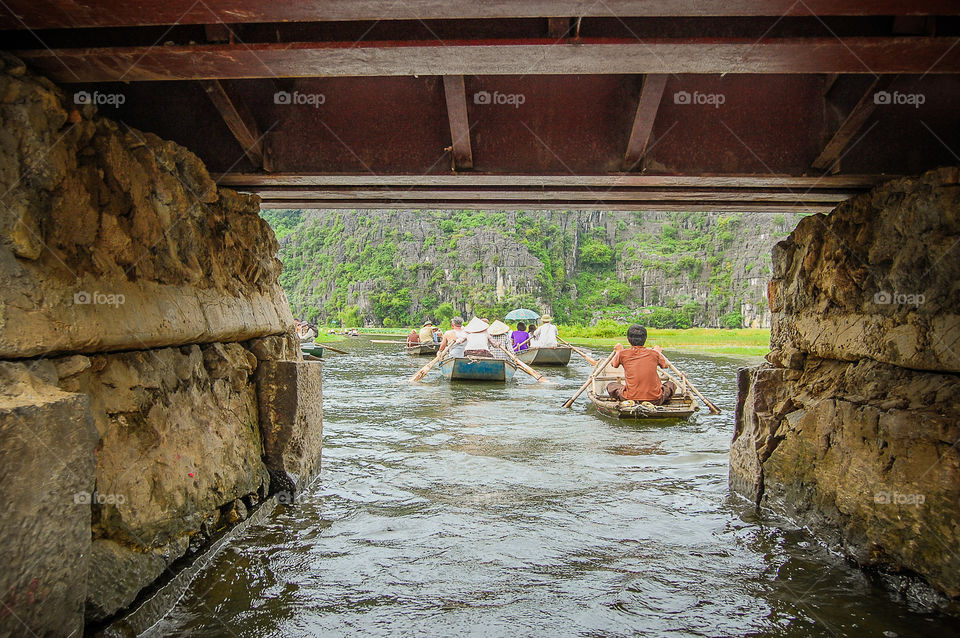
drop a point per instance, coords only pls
(477, 369)
(424, 349)
(559, 356)
(311, 349)
(682, 405)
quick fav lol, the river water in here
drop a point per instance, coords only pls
(474, 510)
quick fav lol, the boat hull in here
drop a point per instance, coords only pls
(681, 406)
(424, 349)
(473, 369)
(677, 408)
(316, 351)
(559, 356)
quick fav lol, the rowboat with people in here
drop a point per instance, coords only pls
(477, 369)
(682, 405)
(558, 356)
(424, 349)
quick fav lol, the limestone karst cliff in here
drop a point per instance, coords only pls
(397, 266)
(852, 426)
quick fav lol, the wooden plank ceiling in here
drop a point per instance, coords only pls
(695, 105)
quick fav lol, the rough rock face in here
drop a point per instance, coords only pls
(142, 322)
(115, 239)
(47, 443)
(853, 425)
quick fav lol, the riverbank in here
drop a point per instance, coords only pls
(745, 342)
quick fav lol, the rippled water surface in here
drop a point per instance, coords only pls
(470, 509)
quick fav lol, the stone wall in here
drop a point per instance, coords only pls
(151, 391)
(852, 427)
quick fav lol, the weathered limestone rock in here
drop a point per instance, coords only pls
(291, 420)
(113, 239)
(136, 437)
(852, 428)
(878, 278)
(179, 439)
(47, 446)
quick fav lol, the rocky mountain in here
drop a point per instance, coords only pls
(397, 267)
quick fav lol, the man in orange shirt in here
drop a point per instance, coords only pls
(640, 369)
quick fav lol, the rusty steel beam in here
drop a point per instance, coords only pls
(647, 107)
(238, 120)
(527, 205)
(596, 56)
(456, 98)
(582, 195)
(512, 181)
(61, 14)
(829, 158)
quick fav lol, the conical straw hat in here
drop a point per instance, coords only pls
(476, 325)
(498, 328)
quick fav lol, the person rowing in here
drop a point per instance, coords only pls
(546, 335)
(455, 338)
(640, 370)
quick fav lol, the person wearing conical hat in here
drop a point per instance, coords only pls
(478, 339)
(546, 335)
(500, 335)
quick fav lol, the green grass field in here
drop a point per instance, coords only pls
(745, 342)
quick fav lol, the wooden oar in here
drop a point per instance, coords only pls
(580, 352)
(332, 348)
(422, 372)
(713, 409)
(522, 343)
(520, 364)
(596, 371)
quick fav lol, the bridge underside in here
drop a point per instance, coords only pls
(758, 105)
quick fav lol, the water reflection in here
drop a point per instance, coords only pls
(462, 509)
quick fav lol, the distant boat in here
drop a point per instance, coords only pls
(682, 405)
(559, 356)
(475, 369)
(423, 349)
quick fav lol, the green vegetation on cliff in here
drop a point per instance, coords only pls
(393, 268)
